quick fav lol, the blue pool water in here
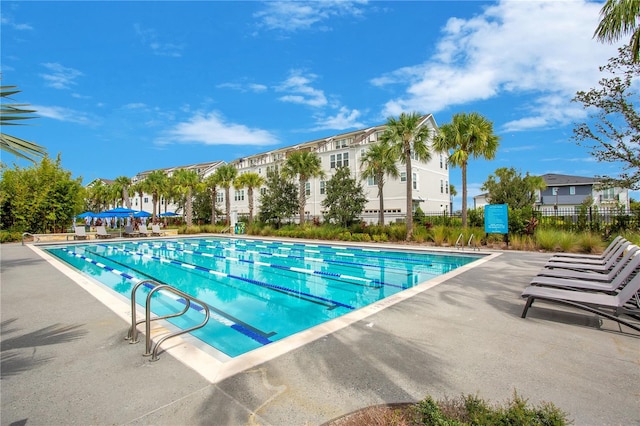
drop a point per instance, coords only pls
(258, 291)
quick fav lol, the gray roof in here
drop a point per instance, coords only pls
(552, 179)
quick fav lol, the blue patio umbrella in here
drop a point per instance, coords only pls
(142, 213)
(117, 212)
(169, 214)
(86, 214)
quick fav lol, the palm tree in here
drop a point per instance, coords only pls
(226, 174)
(250, 181)
(186, 181)
(467, 135)
(99, 196)
(211, 184)
(378, 163)
(305, 165)
(122, 184)
(138, 188)
(408, 138)
(619, 18)
(9, 115)
(155, 184)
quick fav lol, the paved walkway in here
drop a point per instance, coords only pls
(64, 360)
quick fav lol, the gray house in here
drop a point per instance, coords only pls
(568, 192)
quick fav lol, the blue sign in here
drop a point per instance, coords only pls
(496, 219)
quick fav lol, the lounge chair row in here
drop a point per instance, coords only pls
(607, 285)
(101, 232)
(142, 231)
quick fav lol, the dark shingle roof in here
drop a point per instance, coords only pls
(552, 179)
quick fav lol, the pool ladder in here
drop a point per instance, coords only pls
(460, 243)
(132, 335)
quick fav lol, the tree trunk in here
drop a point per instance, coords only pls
(302, 200)
(464, 194)
(250, 194)
(381, 213)
(409, 195)
(189, 208)
(227, 205)
(214, 195)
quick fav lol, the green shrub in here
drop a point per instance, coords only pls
(589, 243)
(546, 239)
(10, 236)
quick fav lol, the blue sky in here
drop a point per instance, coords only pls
(124, 87)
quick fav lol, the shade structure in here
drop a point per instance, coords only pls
(169, 214)
(86, 214)
(118, 212)
(142, 213)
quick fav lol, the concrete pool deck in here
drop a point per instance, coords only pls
(64, 360)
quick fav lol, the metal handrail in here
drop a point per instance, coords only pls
(35, 237)
(475, 246)
(458, 243)
(132, 335)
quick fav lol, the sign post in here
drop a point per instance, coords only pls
(496, 220)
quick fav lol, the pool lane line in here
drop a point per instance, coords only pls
(211, 307)
(224, 274)
(342, 277)
(375, 283)
(311, 259)
(303, 247)
(251, 332)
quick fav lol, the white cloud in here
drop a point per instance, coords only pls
(302, 15)
(149, 37)
(16, 26)
(59, 76)
(211, 129)
(344, 119)
(241, 87)
(543, 49)
(63, 114)
(300, 90)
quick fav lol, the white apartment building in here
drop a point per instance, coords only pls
(430, 179)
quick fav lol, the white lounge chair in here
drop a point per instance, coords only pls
(101, 232)
(156, 231)
(143, 231)
(80, 233)
(129, 232)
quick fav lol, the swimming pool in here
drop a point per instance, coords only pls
(258, 292)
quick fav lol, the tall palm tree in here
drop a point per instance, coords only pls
(138, 188)
(186, 181)
(468, 135)
(210, 184)
(99, 196)
(408, 138)
(155, 184)
(619, 18)
(376, 164)
(250, 181)
(226, 174)
(304, 165)
(122, 184)
(10, 114)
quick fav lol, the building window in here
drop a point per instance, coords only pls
(146, 199)
(220, 197)
(608, 194)
(342, 143)
(307, 188)
(263, 191)
(339, 160)
(403, 176)
(572, 190)
(239, 195)
(554, 191)
(441, 186)
(446, 186)
(440, 160)
(414, 180)
(322, 187)
(371, 181)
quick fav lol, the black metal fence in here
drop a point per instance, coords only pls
(597, 219)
